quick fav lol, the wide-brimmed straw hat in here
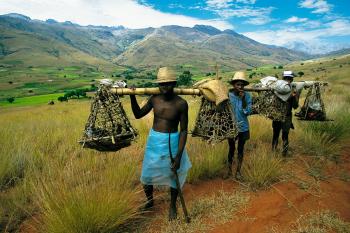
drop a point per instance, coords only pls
(239, 76)
(165, 75)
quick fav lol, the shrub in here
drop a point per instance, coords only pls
(62, 98)
(185, 79)
(11, 99)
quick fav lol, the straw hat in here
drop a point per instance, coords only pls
(239, 76)
(165, 75)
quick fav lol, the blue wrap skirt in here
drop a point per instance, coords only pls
(156, 166)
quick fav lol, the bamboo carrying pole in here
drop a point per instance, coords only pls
(178, 91)
(153, 91)
(192, 91)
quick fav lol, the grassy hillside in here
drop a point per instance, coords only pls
(48, 183)
(171, 45)
(34, 42)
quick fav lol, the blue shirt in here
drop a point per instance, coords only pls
(240, 112)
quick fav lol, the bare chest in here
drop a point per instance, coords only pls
(166, 110)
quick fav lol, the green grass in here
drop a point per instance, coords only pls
(31, 100)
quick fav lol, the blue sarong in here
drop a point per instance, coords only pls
(156, 166)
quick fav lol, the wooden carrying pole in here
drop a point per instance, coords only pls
(178, 91)
(191, 91)
(153, 91)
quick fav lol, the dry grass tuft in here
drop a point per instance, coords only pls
(321, 222)
(262, 168)
(208, 211)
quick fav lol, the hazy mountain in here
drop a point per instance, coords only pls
(21, 38)
(202, 46)
(339, 52)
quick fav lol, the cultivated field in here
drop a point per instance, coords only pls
(48, 183)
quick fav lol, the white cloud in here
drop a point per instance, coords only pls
(259, 20)
(218, 4)
(314, 40)
(221, 4)
(312, 24)
(246, 12)
(319, 6)
(231, 8)
(128, 13)
(257, 16)
(295, 19)
(246, 1)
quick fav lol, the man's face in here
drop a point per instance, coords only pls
(238, 86)
(288, 79)
(167, 88)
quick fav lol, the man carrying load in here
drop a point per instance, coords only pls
(241, 102)
(164, 140)
(292, 98)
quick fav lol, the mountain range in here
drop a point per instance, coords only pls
(24, 41)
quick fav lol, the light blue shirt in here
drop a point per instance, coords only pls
(241, 114)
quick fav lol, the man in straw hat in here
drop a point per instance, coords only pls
(241, 102)
(169, 110)
(292, 99)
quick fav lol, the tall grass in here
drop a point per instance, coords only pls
(207, 160)
(75, 189)
(86, 197)
(325, 138)
(262, 168)
(45, 172)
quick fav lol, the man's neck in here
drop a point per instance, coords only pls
(236, 92)
(168, 96)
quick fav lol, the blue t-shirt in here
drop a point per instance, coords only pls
(240, 112)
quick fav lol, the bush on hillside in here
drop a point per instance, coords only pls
(185, 79)
(11, 99)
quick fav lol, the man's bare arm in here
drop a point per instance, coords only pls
(140, 112)
(183, 134)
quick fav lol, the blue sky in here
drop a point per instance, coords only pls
(315, 26)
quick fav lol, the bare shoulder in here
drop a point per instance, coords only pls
(181, 103)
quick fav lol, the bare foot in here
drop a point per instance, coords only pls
(148, 206)
(172, 213)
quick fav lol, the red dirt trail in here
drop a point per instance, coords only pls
(280, 206)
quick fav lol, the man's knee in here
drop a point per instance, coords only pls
(285, 135)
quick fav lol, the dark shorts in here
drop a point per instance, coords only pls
(284, 125)
(243, 136)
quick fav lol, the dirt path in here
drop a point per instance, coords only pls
(282, 204)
